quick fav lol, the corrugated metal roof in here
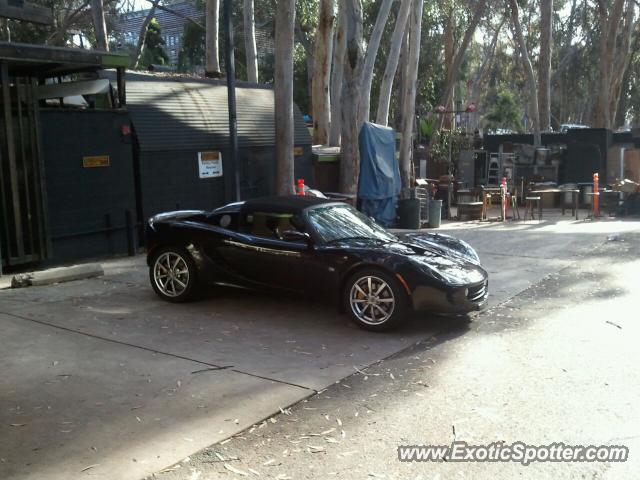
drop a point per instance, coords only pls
(177, 113)
(132, 21)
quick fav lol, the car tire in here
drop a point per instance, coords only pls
(173, 274)
(375, 300)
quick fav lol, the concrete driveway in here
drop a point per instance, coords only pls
(102, 379)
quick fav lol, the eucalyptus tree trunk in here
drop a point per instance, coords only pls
(337, 75)
(135, 58)
(528, 70)
(403, 66)
(307, 45)
(370, 60)
(382, 116)
(449, 57)
(350, 161)
(544, 63)
(408, 100)
(485, 66)
(283, 86)
(320, 95)
(481, 75)
(251, 53)
(99, 24)
(609, 25)
(212, 62)
(621, 63)
(478, 13)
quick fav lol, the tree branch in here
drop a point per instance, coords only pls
(177, 14)
(135, 59)
(59, 33)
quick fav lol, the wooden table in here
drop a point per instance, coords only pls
(574, 192)
(488, 193)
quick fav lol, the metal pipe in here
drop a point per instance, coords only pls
(89, 232)
(231, 96)
(131, 242)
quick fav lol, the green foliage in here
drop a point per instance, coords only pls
(153, 51)
(504, 113)
(25, 32)
(575, 54)
(447, 144)
(427, 126)
(191, 54)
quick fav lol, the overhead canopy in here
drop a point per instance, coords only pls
(174, 112)
(25, 11)
(43, 61)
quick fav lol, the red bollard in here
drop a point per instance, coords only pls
(596, 197)
(300, 188)
(503, 192)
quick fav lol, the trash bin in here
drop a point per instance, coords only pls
(435, 213)
(409, 213)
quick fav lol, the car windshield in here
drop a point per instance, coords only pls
(339, 222)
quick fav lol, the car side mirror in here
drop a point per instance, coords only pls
(296, 236)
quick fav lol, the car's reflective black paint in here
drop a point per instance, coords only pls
(438, 272)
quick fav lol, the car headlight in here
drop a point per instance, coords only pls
(444, 271)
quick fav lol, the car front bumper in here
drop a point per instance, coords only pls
(457, 302)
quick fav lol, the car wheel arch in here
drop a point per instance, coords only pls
(165, 245)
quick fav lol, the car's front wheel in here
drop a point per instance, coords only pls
(375, 300)
(173, 274)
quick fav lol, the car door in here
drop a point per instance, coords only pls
(259, 255)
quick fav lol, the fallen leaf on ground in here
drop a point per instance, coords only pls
(235, 470)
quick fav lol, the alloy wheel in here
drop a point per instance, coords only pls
(171, 274)
(372, 300)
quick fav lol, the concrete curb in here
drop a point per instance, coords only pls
(57, 275)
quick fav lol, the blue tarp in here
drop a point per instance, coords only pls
(379, 182)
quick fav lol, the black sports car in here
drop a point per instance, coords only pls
(319, 247)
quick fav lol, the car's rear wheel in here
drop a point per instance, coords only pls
(375, 300)
(173, 274)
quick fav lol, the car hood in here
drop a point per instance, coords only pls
(445, 258)
(444, 244)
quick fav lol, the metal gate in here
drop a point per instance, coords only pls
(22, 216)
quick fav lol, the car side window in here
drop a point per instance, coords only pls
(272, 225)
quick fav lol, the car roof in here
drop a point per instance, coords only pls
(283, 204)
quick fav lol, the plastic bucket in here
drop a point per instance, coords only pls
(435, 213)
